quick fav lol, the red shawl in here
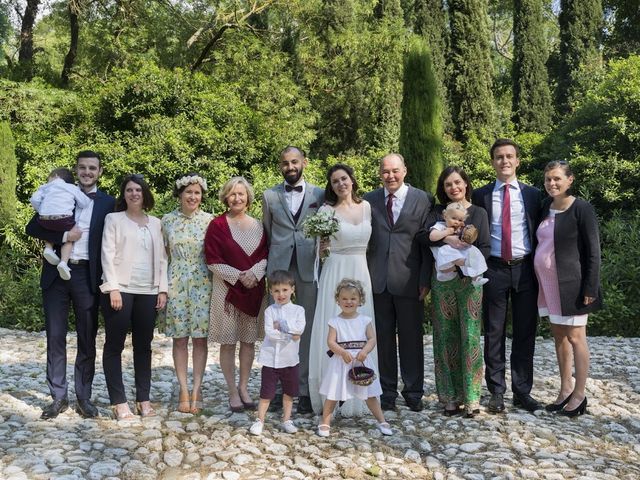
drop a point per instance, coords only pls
(221, 248)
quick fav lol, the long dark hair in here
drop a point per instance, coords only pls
(147, 196)
(330, 196)
(441, 194)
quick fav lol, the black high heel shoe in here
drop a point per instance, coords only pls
(555, 407)
(580, 410)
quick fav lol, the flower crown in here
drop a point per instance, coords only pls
(189, 179)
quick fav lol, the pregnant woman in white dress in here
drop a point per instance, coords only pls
(347, 259)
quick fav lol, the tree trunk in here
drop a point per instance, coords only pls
(70, 58)
(25, 55)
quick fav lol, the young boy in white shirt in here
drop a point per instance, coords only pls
(283, 324)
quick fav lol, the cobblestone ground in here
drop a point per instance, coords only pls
(604, 444)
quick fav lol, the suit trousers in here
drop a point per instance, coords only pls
(519, 283)
(402, 316)
(306, 296)
(56, 300)
(138, 313)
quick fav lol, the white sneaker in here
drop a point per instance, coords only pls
(324, 430)
(385, 428)
(289, 427)
(479, 281)
(51, 256)
(256, 428)
(64, 271)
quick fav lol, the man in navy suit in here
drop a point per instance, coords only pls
(81, 291)
(514, 214)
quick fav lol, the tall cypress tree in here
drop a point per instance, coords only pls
(421, 125)
(8, 168)
(430, 21)
(531, 95)
(470, 82)
(580, 33)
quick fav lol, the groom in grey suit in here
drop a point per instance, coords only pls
(284, 208)
(400, 279)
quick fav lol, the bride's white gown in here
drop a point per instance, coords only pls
(347, 259)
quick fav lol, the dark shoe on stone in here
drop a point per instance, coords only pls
(276, 403)
(415, 405)
(55, 408)
(304, 405)
(387, 404)
(496, 403)
(86, 409)
(526, 401)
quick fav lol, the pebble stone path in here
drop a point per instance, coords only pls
(216, 444)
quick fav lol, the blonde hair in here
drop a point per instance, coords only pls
(351, 284)
(230, 185)
(454, 207)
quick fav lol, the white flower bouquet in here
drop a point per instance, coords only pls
(321, 225)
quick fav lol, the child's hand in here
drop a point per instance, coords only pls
(295, 337)
(276, 324)
(346, 356)
(362, 356)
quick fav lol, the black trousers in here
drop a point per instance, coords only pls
(519, 283)
(402, 316)
(138, 314)
(56, 300)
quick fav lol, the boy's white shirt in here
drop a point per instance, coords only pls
(59, 198)
(278, 349)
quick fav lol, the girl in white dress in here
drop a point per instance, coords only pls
(351, 338)
(347, 259)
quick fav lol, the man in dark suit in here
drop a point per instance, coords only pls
(400, 271)
(514, 214)
(81, 290)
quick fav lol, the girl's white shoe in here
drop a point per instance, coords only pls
(256, 428)
(385, 428)
(324, 430)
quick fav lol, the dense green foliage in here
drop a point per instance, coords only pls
(421, 127)
(531, 94)
(8, 169)
(471, 69)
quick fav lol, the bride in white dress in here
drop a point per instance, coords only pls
(347, 259)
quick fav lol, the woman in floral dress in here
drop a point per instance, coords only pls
(187, 312)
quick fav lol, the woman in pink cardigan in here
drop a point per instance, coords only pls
(134, 265)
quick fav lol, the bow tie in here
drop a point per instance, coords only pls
(91, 195)
(289, 188)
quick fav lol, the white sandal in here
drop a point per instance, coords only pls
(324, 430)
(385, 428)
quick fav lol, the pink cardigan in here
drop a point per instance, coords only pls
(119, 249)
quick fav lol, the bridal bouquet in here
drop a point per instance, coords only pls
(321, 225)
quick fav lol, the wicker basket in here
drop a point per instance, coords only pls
(361, 375)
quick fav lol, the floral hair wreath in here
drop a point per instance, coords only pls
(189, 179)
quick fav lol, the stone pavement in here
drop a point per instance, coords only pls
(216, 444)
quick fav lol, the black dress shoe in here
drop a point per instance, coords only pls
(86, 409)
(496, 403)
(415, 405)
(304, 405)
(386, 404)
(276, 403)
(526, 401)
(55, 408)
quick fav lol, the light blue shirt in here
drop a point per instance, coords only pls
(520, 244)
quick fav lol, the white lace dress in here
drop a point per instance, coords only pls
(348, 259)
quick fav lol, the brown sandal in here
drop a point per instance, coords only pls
(183, 402)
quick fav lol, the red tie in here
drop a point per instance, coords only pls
(390, 208)
(505, 246)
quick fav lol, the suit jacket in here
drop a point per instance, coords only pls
(397, 262)
(119, 247)
(577, 250)
(532, 204)
(103, 204)
(285, 235)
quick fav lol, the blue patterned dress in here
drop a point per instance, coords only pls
(187, 311)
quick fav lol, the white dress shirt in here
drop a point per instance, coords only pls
(520, 244)
(294, 198)
(83, 222)
(278, 349)
(398, 202)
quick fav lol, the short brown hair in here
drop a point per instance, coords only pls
(279, 277)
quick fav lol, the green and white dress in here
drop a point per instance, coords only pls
(187, 311)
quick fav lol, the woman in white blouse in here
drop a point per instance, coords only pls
(134, 265)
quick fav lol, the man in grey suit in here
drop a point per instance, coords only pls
(284, 208)
(400, 277)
